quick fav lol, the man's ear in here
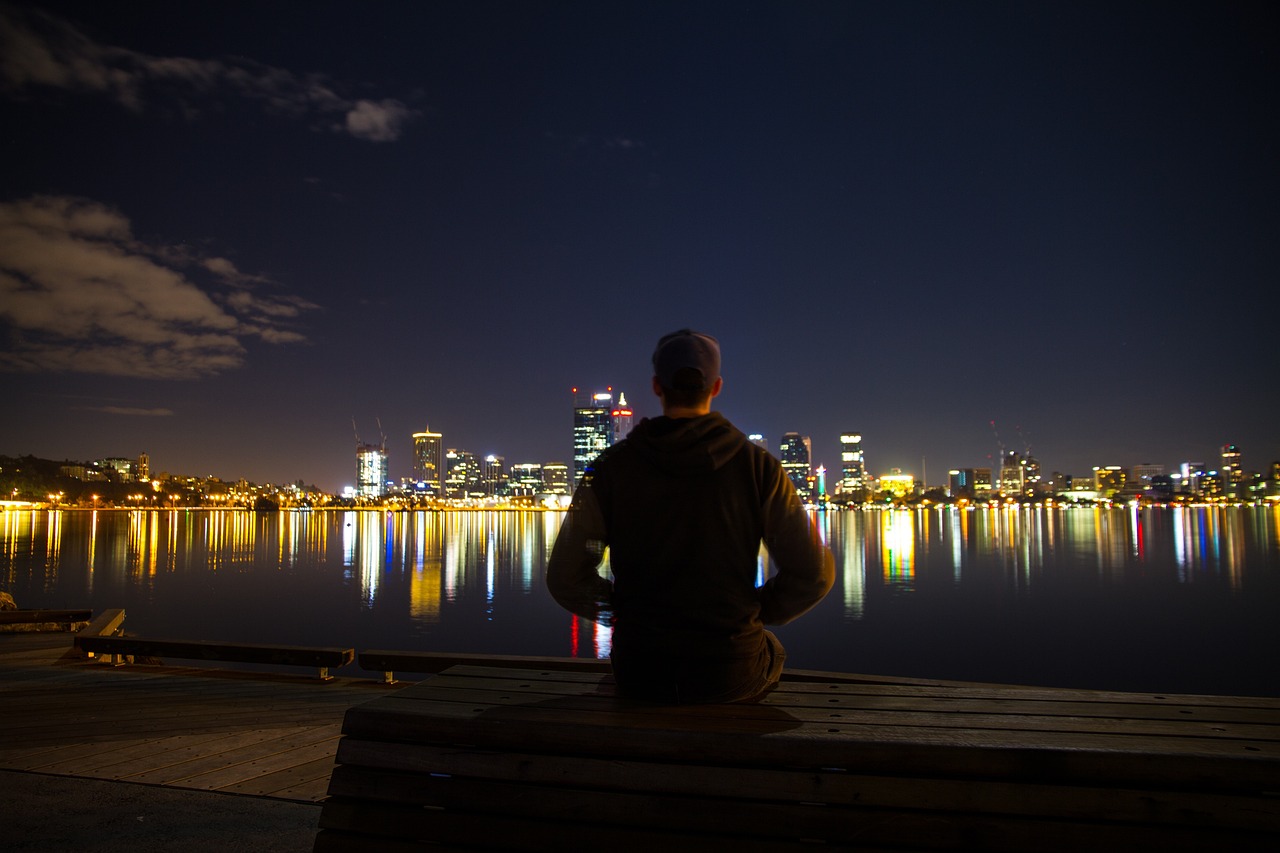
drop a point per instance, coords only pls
(715, 386)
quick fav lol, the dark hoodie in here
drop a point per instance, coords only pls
(683, 506)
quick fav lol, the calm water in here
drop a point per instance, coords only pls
(1162, 600)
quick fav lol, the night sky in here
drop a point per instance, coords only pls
(229, 229)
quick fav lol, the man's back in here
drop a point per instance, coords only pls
(684, 505)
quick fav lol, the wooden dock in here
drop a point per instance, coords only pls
(265, 734)
(493, 757)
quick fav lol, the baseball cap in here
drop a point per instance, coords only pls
(686, 349)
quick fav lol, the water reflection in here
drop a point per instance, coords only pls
(472, 581)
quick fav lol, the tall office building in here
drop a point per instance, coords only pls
(1232, 473)
(462, 474)
(593, 430)
(371, 470)
(428, 461)
(526, 479)
(853, 468)
(621, 417)
(758, 440)
(493, 475)
(555, 477)
(795, 451)
(1013, 475)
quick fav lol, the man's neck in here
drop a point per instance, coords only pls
(685, 411)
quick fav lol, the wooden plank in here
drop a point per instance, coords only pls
(314, 773)
(993, 693)
(868, 829)
(773, 737)
(381, 660)
(27, 617)
(234, 765)
(216, 650)
(871, 710)
(105, 623)
(262, 764)
(379, 770)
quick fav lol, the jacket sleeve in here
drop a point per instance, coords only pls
(573, 577)
(805, 568)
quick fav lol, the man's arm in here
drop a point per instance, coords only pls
(806, 569)
(572, 576)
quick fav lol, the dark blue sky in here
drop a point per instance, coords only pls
(226, 229)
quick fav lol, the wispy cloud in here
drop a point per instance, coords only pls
(80, 293)
(38, 50)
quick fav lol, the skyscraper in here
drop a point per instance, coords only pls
(593, 429)
(795, 452)
(621, 417)
(371, 470)
(428, 461)
(853, 469)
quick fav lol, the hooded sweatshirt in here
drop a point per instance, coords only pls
(683, 506)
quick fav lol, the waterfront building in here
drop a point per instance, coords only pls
(897, 484)
(371, 470)
(620, 418)
(555, 478)
(1142, 476)
(142, 469)
(795, 452)
(982, 483)
(1012, 475)
(493, 476)
(117, 468)
(593, 429)
(1108, 481)
(853, 470)
(1232, 473)
(526, 479)
(1191, 477)
(462, 474)
(428, 461)
(960, 483)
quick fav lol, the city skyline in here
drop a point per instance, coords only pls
(237, 227)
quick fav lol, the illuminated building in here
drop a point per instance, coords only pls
(143, 468)
(758, 440)
(621, 419)
(898, 484)
(493, 475)
(555, 478)
(960, 482)
(117, 468)
(981, 483)
(1012, 475)
(1232, 473)
(1191, 477)
(371, 470)
(853, 469)
(526, 478)
(428, 461)
(593, 429)
(1142, 476)
(1108, 481)
(462, 474)
(795, 451)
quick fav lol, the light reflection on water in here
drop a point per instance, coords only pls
(1183, 599)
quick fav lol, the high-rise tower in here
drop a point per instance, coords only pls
(428, 461)
(371, 470)
(593, 429)
(621, 417)
(853, 468)
(795, 451)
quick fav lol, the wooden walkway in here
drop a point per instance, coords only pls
(265, 734)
